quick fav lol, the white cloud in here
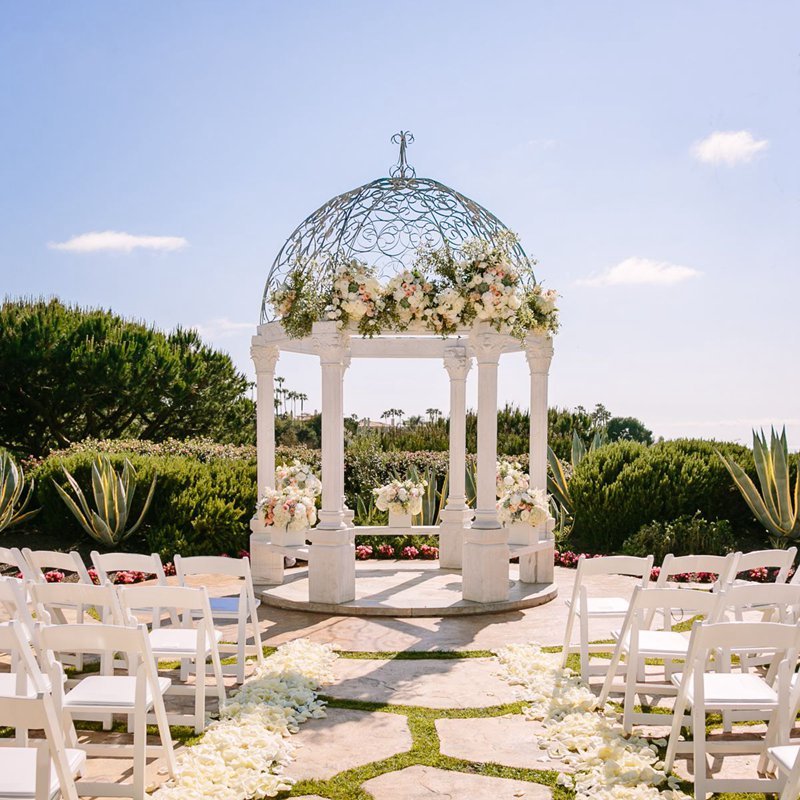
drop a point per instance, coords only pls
(222, 327)
(641, 271)
(728, 147)
(118, 242)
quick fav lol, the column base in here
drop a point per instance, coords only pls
(266, 565)
(331, 567)
(451, 536)
(485, 566)
(538, 567)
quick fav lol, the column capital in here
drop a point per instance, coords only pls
(457, 363)
(487, 345)
(265, 357)
(539, 353)
(330, 347)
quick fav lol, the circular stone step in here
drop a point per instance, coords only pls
(405, 589)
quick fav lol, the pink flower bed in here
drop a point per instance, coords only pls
(363, 552)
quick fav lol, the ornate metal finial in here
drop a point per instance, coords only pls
(403, 169)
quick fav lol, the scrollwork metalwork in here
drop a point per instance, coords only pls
(384, 223)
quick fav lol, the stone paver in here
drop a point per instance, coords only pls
(511, 741)
(440, 683)
(423, 783)
(346, 739)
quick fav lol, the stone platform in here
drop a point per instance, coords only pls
(405, 589)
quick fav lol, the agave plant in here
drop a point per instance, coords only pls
(776, 505)
(558, 480)
(113, 497)
(433, 501)
(12, 488)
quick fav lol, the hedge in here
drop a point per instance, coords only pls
(206, 492)
(622, 486)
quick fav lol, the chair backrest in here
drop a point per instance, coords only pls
(183, 600)
(782, 560)
(98, 639)
(741, 636)
(690, 601)
(724, 567)
(211, 565)
(40, 561)
(15, 604)
(50, 596)
(785, 597)
(106, 563)
(12, 557)
(634, 566)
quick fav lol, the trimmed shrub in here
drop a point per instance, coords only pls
(625, 485)
(682, 537)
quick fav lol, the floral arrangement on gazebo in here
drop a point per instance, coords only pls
(442, 292)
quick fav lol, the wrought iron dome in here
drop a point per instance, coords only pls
(383, 223)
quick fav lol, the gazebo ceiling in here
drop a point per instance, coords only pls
(383, 223)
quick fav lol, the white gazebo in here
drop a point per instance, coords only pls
(386, 221)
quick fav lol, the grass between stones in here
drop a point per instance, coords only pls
(425, 751)
(426, 747)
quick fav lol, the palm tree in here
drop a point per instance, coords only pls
(433, 414)
(280, 393)
(396, 415)
(302, 397)
(292, 395)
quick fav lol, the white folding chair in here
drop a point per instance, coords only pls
(782, 560)
(722, 690)
(134, 695)
(242, 607)
(12, 557)
(38, 562)
(194, 641)
(52, 599)
(106, 564)
(47, 769)
(25, 678)
(586, 608)
(724, 567)
(639, 639)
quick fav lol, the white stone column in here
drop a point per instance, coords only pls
(266, 565)
(349, 513)
(456, 516)
(331, 564)
(485, 560)
(538, 567)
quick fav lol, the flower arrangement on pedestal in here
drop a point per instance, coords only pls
(287, 508)
(520, 508)
(291, 507)
(441, 292)
(299, 476)
(510, 477)
(527, 506)
(402, 499)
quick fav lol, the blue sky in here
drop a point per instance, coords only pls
(587, 127)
